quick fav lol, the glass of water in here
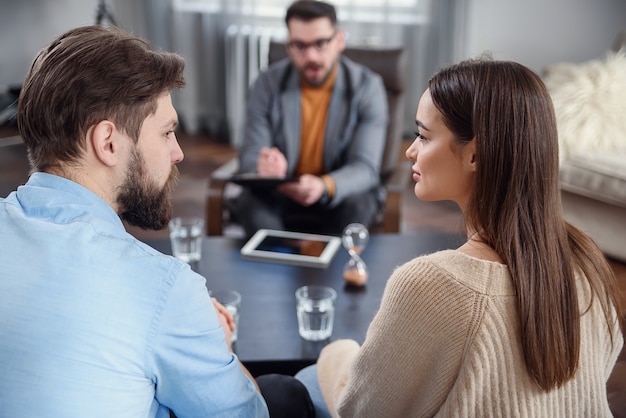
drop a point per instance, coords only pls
(231, 299)
(186, 237)
(315, 306)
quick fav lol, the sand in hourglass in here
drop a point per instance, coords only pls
(354, 238)
(355, 271)
(355, 277)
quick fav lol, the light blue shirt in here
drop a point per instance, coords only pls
(94, 323)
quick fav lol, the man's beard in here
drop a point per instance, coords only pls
(315, 66)
(143, 203)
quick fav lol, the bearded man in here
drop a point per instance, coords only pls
(95, 323)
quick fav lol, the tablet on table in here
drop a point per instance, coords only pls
(298, 248)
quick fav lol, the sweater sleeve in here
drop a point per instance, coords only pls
(413, 349)
(333, 367)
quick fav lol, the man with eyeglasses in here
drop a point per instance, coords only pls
(317, 118)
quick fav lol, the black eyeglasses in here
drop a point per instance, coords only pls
(319, 44)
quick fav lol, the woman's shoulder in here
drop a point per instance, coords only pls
(457, 268)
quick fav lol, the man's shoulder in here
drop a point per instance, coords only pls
(131, 249)
(359, 73)
(357, 67)
(277, 71)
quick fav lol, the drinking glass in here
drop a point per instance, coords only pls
(315, 306)
(231, 299)
(186, 237)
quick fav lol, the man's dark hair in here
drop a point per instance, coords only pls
(87, 75)
(311, 9)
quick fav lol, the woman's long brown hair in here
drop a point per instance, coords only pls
(516, 207)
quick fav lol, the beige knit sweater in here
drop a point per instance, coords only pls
(446, 343)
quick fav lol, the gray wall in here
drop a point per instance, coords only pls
(27, 25)
(540, 32)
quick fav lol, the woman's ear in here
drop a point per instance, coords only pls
(470, 156)
(103, 139)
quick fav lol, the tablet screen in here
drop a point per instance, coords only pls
(291, 248)
(311, 248)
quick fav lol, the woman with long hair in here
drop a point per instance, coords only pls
(523, 319)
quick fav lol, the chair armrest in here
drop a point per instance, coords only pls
(395, 185)
(215, 196)
(226, 170)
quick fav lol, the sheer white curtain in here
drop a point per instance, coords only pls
(372, 10)
(367, 21)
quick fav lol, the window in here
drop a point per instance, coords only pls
(409, 12)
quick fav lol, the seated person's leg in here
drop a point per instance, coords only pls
(258, 209)
(285, 396)
(361, 208)
(306, 219)
(308, 376)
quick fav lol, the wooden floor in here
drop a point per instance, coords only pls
(203, 155)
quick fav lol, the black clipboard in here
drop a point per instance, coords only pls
(255, 180)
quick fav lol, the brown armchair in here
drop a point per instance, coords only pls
(391, 64)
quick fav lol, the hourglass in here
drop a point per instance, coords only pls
(354, 239)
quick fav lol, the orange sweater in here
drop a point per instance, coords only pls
(314, 104)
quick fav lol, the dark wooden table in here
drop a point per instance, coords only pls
(268, 329)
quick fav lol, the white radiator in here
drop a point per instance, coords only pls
(247, 49)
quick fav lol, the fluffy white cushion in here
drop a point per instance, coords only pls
(590, 104)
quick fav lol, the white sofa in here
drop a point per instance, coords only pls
(590, 105)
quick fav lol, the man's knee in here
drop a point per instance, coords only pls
(254, 212)
(361, 208)
(285, 396)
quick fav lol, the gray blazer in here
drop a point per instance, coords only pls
(355, 130)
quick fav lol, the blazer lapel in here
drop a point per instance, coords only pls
(336, 116)
(290, 103)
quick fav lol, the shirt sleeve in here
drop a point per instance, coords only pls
(413, 348)
(194, 372)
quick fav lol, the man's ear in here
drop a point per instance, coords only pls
(341, 40)
(104, 140)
